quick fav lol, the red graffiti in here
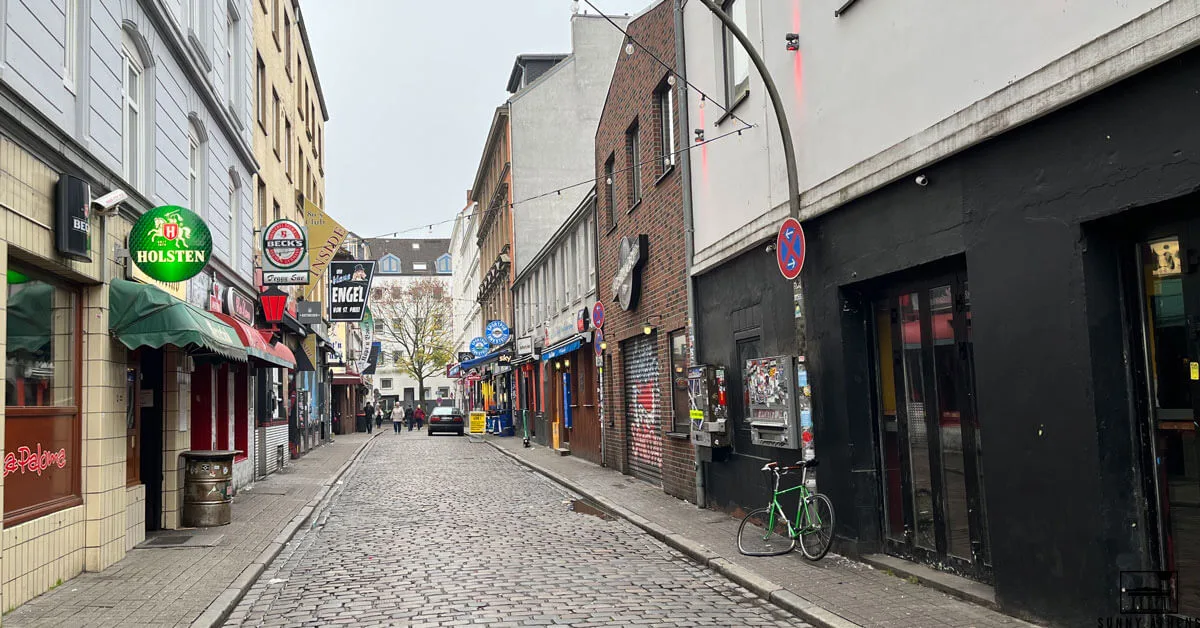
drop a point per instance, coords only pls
(644, 426)
(33, 461)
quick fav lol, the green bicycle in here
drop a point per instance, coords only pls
(768, 532)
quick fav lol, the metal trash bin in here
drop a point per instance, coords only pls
(206, 483)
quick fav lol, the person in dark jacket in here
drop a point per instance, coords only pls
(409, 417)
(368, 415)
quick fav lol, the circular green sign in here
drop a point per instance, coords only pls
(170, 243)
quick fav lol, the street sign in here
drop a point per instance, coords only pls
(790, 248)
(497, 333)
(597, 340)
(480, 347)
(598, 315)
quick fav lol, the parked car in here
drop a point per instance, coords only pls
(446, 419)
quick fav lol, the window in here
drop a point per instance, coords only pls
(389, 264)
(195, 15)
(591, 253)
(609, 192)
(287, 38)
(568, 268)
(443, 392)
(232, 73)
(276, 215)
(71, 41)
(420, 266)
(443, 264)
(385, 383)
(262, 203)
(633, 153)
(287, 132)
(260, 96)
(736, 59)
(298, 106)
(666, 117)
(299, 94)
(42, 397)
(416, 246)
(235, 222)
(275, 24)
(321, 149)
(132, 94)
(679, 382)
(196, 159)
(277, 116)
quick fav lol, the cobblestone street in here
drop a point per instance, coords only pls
(445, 532)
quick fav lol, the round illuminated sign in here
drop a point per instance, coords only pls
(284, 244)
(170, 243)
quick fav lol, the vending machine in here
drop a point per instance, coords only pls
(776, 402)
(707, 407)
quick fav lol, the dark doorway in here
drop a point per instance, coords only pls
(1168, 285)
(930, 451)
(150, 434)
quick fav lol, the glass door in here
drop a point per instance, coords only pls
(930, 450)
(1170, 289)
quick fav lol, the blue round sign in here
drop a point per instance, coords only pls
(497, 333)
(480, 347)
(789, 249)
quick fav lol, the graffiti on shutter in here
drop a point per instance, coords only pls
(642, 409)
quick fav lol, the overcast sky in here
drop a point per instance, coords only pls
(411, 86)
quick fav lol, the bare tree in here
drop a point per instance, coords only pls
(413, 322)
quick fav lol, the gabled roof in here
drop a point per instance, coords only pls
(428, 253)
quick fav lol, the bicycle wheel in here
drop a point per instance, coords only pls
(816, 528)
(756, 539)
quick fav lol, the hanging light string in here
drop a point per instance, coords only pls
(703, 97)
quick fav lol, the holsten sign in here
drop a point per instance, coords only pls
(170, 243)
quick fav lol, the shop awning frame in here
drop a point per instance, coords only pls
(564, 347)
(491, 357)
(275, 354)
(142, 315)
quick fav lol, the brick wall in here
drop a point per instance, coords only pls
(633, 98)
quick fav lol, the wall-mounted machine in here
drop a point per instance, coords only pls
(708, 411)
(773, 394)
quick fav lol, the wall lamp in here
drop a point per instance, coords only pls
(604, 345)
(793, 41)
(567, 363)
(648, 326)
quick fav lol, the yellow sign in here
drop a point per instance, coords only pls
(177, 289)
(697, 415)
(478, 423)
(325, 237)
(1195, 371)
(309, 345)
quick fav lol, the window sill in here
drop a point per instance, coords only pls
(275, 35)
(277, 157)
(237, 120)
(732, 108)
(664, 175)
(611, 229)
(635, 205)
(679, 435)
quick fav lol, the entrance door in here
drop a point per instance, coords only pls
(930, 454)
(642, 408)
(1169, 283)
(150, 434)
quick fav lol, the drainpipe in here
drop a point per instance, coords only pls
(685, 173)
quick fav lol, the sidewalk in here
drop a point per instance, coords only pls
(835, 592)
(185, 586)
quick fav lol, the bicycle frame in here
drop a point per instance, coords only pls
(803, 514)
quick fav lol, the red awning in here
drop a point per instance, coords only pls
(347, 379)
(256, 347)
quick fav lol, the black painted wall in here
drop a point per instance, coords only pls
(1038, 216)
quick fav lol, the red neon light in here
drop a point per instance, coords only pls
(33, 461)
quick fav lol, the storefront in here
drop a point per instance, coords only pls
(1005, 379)
(571, 419)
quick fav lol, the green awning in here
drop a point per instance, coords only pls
(141, 315)
(30, 319)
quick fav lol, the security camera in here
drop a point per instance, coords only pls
(922, 180)
(108, 204)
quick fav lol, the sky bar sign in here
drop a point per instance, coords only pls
(285, 254)
(170, 243)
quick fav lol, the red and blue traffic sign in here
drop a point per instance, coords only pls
(598, 315)
(790, 248)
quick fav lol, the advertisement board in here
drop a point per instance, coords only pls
(349, 290)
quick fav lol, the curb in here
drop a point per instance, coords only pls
(220, 609)
(699, 553)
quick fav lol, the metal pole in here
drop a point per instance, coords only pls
(789, 151)
(685, 172)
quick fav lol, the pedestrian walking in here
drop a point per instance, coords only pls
(379, 417)
(420, 416)
(409, 417)
(368, 413)
(397, 417)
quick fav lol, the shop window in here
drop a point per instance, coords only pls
(679, 382)
(42, 430)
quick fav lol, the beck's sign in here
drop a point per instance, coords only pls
(349, 289)
(285, 254)
(170, 243)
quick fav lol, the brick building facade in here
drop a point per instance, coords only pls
(639, 201)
